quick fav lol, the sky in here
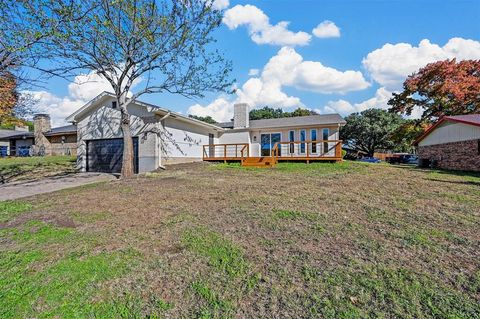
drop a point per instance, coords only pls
(338, 56)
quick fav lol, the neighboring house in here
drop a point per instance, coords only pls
(162, 136)
(453, 142)
(44, 140)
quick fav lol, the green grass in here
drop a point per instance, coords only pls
(18, 168)
(378, 291)
(34, 283)
(213, 305)
(10, 209)
(221, 253)
(317, 168)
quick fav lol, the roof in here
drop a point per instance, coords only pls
(324, 119)
(159, 110)
(470, 119)
(68, 129)
(8, 134)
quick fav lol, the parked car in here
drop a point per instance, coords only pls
(403, 159)
(369, 160)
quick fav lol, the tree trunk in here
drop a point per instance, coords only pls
(127, 162)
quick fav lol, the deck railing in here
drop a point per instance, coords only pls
(298, 150)
(226, 152)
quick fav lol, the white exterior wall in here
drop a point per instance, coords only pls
(334, 134)
(104, 123)
(188, 140)
(451, 132)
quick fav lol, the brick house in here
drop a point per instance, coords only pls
(453, 142)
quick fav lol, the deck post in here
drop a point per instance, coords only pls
(225, 153)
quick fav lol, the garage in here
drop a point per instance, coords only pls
(105, 155)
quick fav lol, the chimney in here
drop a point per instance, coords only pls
(241, 115)
(41, 124)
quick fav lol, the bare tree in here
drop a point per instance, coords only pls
(164, 44)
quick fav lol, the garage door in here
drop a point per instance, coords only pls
(106, 155)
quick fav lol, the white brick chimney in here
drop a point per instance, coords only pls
(241, 113)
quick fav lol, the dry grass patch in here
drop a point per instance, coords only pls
(325, 240)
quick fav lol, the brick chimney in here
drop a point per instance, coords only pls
(41, 124)
(241, 113)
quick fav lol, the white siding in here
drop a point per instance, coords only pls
(451, 132)
(104, 123)
(186, 141)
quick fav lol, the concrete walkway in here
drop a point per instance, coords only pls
(51, 184)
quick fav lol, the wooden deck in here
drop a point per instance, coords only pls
(321, 150)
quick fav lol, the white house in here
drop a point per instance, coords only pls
(162, 137)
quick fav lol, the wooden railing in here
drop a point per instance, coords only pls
(308, 149)
(226, 152)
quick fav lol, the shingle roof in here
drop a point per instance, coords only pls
(471, 119)
(62, 129)
(7, 134)
(468, 118)
(324, 119)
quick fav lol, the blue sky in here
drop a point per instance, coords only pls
(339, 74)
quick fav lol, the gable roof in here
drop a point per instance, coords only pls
(470, 119)
(324, 119)
(158, 110)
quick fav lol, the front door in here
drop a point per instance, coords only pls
(267, 141)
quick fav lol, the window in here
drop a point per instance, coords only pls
(326, 133)
(303, 137)
(313, 138)
(114, 104)
(291, 138)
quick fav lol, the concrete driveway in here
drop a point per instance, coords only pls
(50, 184)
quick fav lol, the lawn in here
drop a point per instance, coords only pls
(31, 168)
(346, 240)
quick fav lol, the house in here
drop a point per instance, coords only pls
(161, 137)
(44, 140)
(453, 142)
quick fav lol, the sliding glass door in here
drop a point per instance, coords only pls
(267, 141)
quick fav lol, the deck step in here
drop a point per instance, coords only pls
(265, 161)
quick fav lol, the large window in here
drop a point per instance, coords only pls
(313, 138)
(268, 141)
(326, 134)
(291, 138)
(303, 138)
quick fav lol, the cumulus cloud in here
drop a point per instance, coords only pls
(253, 72)
(220, 4)
(84, 88)
(379, 101)
(286, 69)
(260, 29)
(326, 29)
(220, 110)
(289, 68)
(392, 63)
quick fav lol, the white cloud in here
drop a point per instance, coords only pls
(260, 29)
(84, 88)
(289, 68)
(392, 63)
(220, 110)
(286, 69)
(253, 72)
(326, 29)
(220, 4)
(379, 101)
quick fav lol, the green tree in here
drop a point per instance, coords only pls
(406, 133)
(267, 112)
(206, 119)
(441, 88)
(371, 130)
(165, 46)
